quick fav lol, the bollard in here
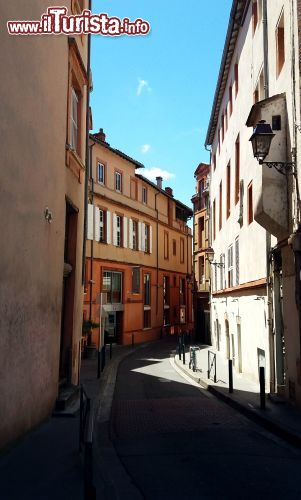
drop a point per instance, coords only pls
(98, 363)
(180, 347)
(230, 376)
(111, 350)
(103, 358)
(183, 353)
(262, 387)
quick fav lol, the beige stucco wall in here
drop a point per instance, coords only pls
(33, 93)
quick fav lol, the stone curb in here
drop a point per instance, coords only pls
(253, 414)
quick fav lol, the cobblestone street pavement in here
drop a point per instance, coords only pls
(176, 440)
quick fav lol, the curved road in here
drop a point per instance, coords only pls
(176, 441)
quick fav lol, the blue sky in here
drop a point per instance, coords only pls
(153, 95)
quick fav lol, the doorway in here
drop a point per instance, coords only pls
(65, 365)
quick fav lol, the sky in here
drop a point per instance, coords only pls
(153, 94)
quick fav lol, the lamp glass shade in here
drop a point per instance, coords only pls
(210, 254)
(261, 140)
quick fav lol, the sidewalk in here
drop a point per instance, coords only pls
(279, 417)
(45, 463)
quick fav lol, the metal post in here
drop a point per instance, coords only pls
(215, 368)
(180, 346)
(103, 358)
(111, 350)
(81, 417)
(262, 387)
(208, 371)
(230, 376)
(98, 363)
(183, 353)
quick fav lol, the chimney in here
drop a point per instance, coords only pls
(169, 191)
(101, 136)
(159, 182)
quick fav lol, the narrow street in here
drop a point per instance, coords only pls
(178, 441)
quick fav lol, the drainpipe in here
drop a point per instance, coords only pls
(157, 251)
(269, 270)
(86, 191)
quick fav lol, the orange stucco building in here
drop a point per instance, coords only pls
(138, 251)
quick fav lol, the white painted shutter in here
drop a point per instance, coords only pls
(139, 235)
(130, 233)
(115, 229)
(125, 232)
(109, 232)
(96, 224)
(150, 239)
(143, 237)
(90, 222)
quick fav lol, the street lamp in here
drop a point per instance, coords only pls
(210, 257)
(261, 142)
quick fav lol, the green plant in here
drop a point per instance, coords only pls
(87, 327)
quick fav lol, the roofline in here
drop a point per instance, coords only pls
(162, 191)
(205, 166)
(116, 151)
(237, 17)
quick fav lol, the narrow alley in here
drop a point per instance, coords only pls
(176, 440)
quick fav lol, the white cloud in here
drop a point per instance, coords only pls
(152, 173)
(142, 84)
(145, 148)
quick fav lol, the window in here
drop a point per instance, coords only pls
(237, 169)
(201, 232)
(118, 231)
(236, 78)
(146, 238)
(220, 205)
(166, 291)
(135, 235)
(146, 282)
(174, 247)
(222, 269)
(230, 266)
(182, 292)
(118, 182)
(214, 221)
(230, 101)
(223, 127)
(134, 188)
(202, 270)
(280, 45)
(74, 125)
(136, 280)
(182, 254)
(228, 189)
(102, 226)
(214, 161)
(250, 203)
(237, 261)
(166, 245)
(254, 15)
(111, 284)
(100, 173)
(144, 195)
